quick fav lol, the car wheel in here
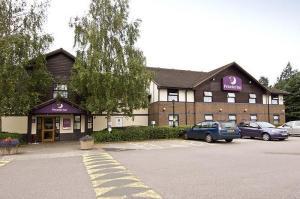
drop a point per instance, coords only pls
(252, 137)
(266, 137)
(208, 138)
(228, 140)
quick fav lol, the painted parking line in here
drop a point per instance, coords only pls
(4, 162)
(111, 180)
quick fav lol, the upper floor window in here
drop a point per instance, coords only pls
(231, 97)
(275, 99)
(60, 90)
(173, 95)
(207, 96)
(252, 98)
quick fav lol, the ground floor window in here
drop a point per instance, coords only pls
(90, 122)
(208, 117)
(77, 122)
(276, 119)
(173, 121)
(253, 118)
(232, 118)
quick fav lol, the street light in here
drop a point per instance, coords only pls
(173, 101)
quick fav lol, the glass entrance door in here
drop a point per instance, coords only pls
(48, 129)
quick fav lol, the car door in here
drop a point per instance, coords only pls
(254, 130)
(245, 129)
(296, 128)
(195, 131)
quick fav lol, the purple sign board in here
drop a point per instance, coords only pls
(66, 123)
(58, 108)
(232, 83)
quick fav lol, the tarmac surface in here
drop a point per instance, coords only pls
(170, 169)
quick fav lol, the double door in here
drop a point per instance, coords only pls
(48, 129)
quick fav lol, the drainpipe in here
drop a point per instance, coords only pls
(186, 115)
(268, 95)
(173, 101)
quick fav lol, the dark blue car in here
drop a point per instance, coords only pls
(263, 130)
(212, 131)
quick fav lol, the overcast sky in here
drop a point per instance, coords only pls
(261, 36)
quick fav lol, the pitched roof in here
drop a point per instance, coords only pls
(60, 50)
(173, 78)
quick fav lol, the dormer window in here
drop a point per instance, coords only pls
(60, 90)
(173, 95)
(252, 98)
(231, 97)
(207, 96)
(275, 99)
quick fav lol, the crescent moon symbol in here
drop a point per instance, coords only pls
(233, 82)
(60, 106)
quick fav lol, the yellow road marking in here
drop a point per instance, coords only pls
(111, 180)
(4, 162)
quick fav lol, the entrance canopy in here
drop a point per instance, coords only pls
(55, 106)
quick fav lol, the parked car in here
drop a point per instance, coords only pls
(263, 130)
(292, 127)
(212, 131)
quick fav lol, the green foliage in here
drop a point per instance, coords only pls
(11, 135)
(109, 72)
(23, 75)
(287, 73)
(138, 134)
(264, 81)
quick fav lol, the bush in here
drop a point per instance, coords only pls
(10, 135)
(138, 134)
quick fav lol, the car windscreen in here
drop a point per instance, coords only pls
(227, 125)
(265, 125)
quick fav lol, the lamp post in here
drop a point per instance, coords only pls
(173, 102)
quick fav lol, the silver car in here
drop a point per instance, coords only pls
(293, 127)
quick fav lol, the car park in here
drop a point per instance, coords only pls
(263, 130)
(213, 131)
(292, 127)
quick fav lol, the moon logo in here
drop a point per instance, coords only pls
(60, 106)
(232, 80)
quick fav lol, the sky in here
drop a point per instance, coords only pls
(261, 36)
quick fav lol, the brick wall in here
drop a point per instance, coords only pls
(160, 111)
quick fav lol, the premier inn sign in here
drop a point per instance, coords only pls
(232, 83)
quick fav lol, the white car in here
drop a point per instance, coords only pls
(293, 127)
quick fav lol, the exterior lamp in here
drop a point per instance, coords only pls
(220, 110)
(164, 109)
(245, 110)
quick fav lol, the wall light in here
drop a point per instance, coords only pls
(220, 110)
(164, 109)
(245, 110)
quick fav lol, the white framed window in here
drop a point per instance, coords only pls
(275, 99)
(208, 117)
(77, 122)
(173, 95)
(173, 120)
(276, 119)
(232, 118)
(252, 98)
(207, 96)
(231, 97)
(253, 117)
(60, 90)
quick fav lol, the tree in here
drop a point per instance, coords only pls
(109, 72)
(287, 72)
(264, 81)
(23, 75)
(292, 100)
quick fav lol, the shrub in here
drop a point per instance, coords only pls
(138, 134)
(10, 135)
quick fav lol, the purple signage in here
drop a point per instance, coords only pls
(66, 123)
(232, 83)
(58, 107)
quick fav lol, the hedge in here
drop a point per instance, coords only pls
(4, 135)
(138, 134)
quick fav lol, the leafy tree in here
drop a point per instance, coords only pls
(287, 72)
(23, 75)
(264, 81)
(109, 71)
(292, 101)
